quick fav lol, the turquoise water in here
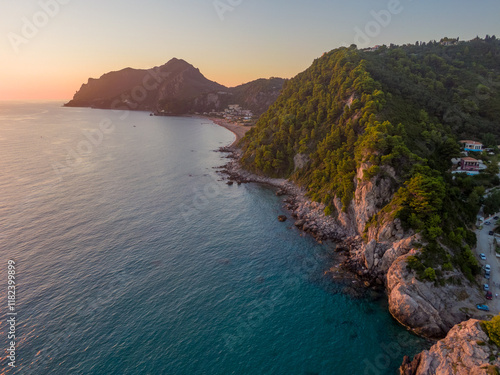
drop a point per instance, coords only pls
(132, 258)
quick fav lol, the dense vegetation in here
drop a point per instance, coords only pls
(397, 112)
(492, 329)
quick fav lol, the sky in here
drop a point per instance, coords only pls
(49, 48)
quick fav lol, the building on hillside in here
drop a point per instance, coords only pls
(235, 112)
(372, 49)
(449, 41)
(469, 164)
(472, 145)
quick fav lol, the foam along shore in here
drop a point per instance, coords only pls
(238, 130)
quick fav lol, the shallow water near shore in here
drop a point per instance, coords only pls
(133, 258)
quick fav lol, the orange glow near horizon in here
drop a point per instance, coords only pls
(251, 40)
(39, 88)
(60, 85)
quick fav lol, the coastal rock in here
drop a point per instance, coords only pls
(379, 257)
(427, 309)
(465, 351)
(396, 250)
(280, 192)
(369, 253)
(346, 219)
(282, 218)
(371, 195)
(299, 223)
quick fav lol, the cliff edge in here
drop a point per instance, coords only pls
(466, 350)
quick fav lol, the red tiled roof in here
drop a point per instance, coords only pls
(469, 159)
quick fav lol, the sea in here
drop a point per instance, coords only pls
(130, 255)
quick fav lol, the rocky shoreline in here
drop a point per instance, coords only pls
(466, 350)
(377, 269)
(377, 262)
(310, 218)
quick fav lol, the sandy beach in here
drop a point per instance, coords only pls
(238, 130)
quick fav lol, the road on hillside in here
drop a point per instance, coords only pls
(485, 245)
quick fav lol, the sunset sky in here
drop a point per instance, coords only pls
(50, 47)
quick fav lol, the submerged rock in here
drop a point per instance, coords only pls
(282, 218)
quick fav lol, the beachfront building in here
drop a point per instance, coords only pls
(234, 112)
(469, 164)
(472, 146)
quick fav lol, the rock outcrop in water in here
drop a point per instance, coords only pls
(466, 350)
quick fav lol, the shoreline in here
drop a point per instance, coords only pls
(308, 215)
(238, 130)
(309, 218)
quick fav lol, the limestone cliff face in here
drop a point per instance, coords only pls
(372, 195)
(464, 351)
(381, 255)
(429, 310)
(384, 241)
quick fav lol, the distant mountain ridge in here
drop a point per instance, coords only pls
(176, 87)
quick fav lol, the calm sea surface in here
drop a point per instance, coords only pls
(132, 258)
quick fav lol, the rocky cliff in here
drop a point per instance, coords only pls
(370, 138)
(428, 309)
(362, 136)
(380, 252)
(466, 350)
(176, 87)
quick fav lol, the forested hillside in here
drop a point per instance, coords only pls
(400, 107)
